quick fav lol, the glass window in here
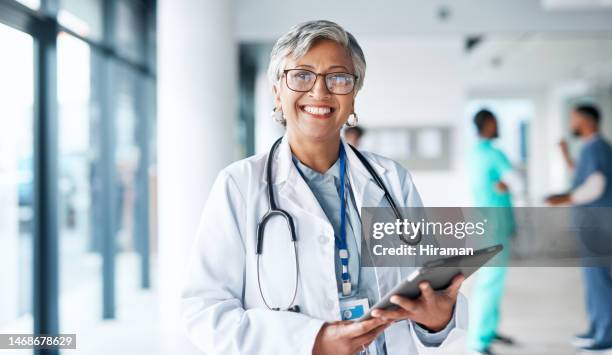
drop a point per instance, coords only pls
(80, 245)
(150, 40)
(129, 29)
(152, 169)
(127, 159)
(33, 4)
(83, 17)
(16, 181)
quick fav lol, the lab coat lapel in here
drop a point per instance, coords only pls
(298, 193)
(292, 187)
(367, 193)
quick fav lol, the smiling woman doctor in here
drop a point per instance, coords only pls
(250, 293)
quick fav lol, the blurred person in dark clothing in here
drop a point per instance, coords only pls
(353, 135)
(592, 187)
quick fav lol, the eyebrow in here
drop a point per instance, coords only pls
(332, 67)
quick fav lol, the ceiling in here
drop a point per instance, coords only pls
(576, 4)
(266, 20)
(539, 60)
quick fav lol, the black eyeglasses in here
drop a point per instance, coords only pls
(303, 80)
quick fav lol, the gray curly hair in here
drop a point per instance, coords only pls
(301, 37)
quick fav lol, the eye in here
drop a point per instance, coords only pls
(302, 75)
(340, 79)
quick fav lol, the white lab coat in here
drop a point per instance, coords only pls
(222, 307)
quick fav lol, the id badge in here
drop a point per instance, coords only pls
(351, 309)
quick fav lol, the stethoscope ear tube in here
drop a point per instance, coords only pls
(261, 228)
(270, 187)
(388, 197)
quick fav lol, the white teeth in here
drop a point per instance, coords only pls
(317, 110)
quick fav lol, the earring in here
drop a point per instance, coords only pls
(278, 116)
(353, 120)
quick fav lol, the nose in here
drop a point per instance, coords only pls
(319, 90)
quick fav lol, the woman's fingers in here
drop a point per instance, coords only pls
(356, 329)
(453, 289)
(406, 303)
(391, 314)
(367, 338)
(430, 301)
(426, 291)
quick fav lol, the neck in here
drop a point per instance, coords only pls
(317, 155)
(588, 135)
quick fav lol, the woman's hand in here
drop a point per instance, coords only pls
(347, 337)
(557, 200)
(501, 187)
(433, 310)
(564, 147)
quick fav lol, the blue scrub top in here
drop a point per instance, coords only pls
(325, 188)
(596, 155)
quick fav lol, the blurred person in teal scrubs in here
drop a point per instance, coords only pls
(490, 171)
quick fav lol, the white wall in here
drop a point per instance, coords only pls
(418, 81)
(10, 252)
(266, 130)
(197, 76)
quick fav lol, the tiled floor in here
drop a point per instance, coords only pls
(542, 309)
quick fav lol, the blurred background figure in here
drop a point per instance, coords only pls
(591, 188)
(353, 135)
(490, 172)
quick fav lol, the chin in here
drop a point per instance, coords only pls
(317, 131)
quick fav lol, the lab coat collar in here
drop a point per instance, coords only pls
(356, 166)
(366, 191)
(283, 165)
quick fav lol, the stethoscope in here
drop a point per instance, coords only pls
(273, 211)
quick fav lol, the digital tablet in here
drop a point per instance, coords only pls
(439, 274)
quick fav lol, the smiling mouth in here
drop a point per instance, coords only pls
(318, 111)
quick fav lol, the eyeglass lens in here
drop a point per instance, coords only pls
(336, 83)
